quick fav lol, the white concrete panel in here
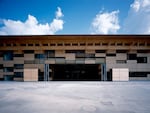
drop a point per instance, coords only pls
(132, 66)
(133, 69)
(1, 59)
(8, 73)
(120, 74)
(89, 61)
(110, 60)
(70, 56)
(70, 61)
(80, 62)
(1, 74)
(18, 70)
(148, 54)
(100, 54)
(30, 74)
(18, 61)
(124, 74)
(121, 56)
(121, 65)
(49, 61)
(115, 74)
(28, 56)
(142, 55)
(141, 65)
(131, 61)
(59, 55)
(30, 65)
(143, 70)
(100, 60)
(116, 79)
(18, 79)
(18, 58)
(8, 63)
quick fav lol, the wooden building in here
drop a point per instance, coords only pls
(75, 57)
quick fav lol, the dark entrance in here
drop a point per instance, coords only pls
(81, 72)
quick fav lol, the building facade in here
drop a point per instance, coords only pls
(75, 57)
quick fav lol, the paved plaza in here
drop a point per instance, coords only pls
(75, 97)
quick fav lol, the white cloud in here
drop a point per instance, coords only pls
(32, 27)
(59, 13)
(106, 23)
(138, 19)
(135, 6)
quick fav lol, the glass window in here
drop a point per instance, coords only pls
(132, 56)
(138, 74)
(120, 61)
(8, 55)
(8, 77)
(90, 55)
(141, 59)
(8, 69)
(39, 56)
(50, 53)
(1, 66)
(18, 74)
(18, 66)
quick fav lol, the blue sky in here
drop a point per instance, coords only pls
(74, 17)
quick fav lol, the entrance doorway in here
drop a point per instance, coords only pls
(76, 72)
